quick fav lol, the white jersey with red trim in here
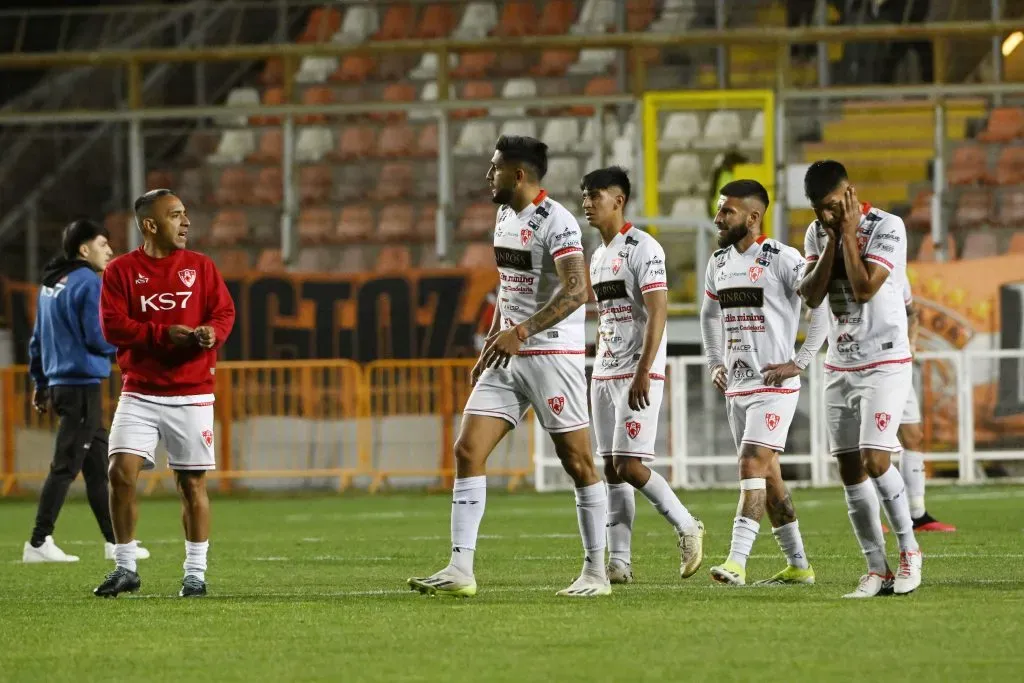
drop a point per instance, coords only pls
(757, 292)
(526, 246)
(875, 332)
(621, 272)
(908, 294)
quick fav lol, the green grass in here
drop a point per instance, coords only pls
(332, 604)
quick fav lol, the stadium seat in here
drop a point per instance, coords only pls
(270, 261)
(393, 258)
(429, 94)
(561, 134)
(354, 142)
(721, 131)
(980, 244)
(353, 260)
(476, 221)
(428, 258)
(425, 229)
(353, 68)
(920, 217)
(395, 181)
(233, 261)
(313, 143)
(425, 181)
(315, 184)
(315, 225)
(1004, 125)
(1011, 209)
(315, 260)
(427, 67)
(269, 189)
(323, 22)
(682, 174)
(238, 97)
(398, 23)
(679, 132)
(315, 95)
(159, 179)
(612, 131)
(478, 256)
(597, 87)
(640, 15)
(515, 88)
(315, 69)
(926, 252)
(623, 153)
(273, 72)
(234, 187)
(396, 141)
(476, 137)
(518, 18)
(270, 149)
(556, 17)
(563, 177)
(479, 19)
(354, 182)
(690, 207)
(426, 141)
(475, 64)
(968, 166)
(527, 127)
(596, 16)
(973, 208)
(118, 224)
(593, 61)
(396, 92)
(355, 224)
(234, 146)
(361, 22)
(474, 90)
(437, 21)
(554, 62)
(1010, 167)
(1017, 243)
(229, 228)
(271, 97)
(192, 186)
(396, 223)
(755, 138)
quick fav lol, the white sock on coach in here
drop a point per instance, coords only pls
(124, 555)
(469, 497)
(592, 514)
(912, 469)
(894, 501)
(862, 504)
(744, 533)
(621, 511)
(792, 544)
(665, 501)
(195, 559)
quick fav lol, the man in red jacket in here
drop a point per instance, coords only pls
(167, 311)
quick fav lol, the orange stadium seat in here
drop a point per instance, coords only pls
(474, 90)
(921, 212)
(271, 97)
(396, 141)
(270, 261)
(478, 255)
(1011, 209)
(980, 244)
(640, 14)
(315, 225)
(395, 181)
(556, 18)
(1004, 124)
(269, 189)
(271, 147)
(518, 18)
(426, 143)
(233, 261)
(393, 258)
(159, 179)
(968, 166)
(476, 221)
(315, 184)
(597, 87)
(1017, 242)
(355, 224)
(229, 228)
(398, 22)
(396, 223)
(973, 208)
(353, 183)
(426, 223)
(475, 64)
(1010, 167)
(437, 21)
(554, 62)
(234, 187)
(353, 69)
(395, 92)
(273, 72)
(323, 23)
(317, 95)
(926, 253)
(354, 142)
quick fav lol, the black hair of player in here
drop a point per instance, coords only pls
(603, 178)
(144, 202)
(742, 189)
(78, 233)
(528, 152)
(822, 178)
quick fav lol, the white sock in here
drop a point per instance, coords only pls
(862, 503)
(621, 511)
(792, 544)
(744, 533)
(894, 500)
(665, 501)
(592, 514)
(912, 469)
(195, 559)
(124, 555)
(469, 498)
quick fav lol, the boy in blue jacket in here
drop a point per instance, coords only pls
(68, 359)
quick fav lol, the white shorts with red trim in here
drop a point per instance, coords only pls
(912, 410)
(863, 407)
(618, 429)
(186, 430)
(762, 417)
(553, 382)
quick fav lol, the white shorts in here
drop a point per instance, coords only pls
(618, 429)
(554, 384)
(762, 418)
(912, 410)
(863, 408)
(186, 430)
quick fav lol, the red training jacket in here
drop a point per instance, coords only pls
(142, 297)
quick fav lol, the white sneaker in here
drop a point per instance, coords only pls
(587, 586)
(691, 550)
(619, 571)
(140, 552)
(449, 581)
(47, 552)
(871, 585)
(908, 576)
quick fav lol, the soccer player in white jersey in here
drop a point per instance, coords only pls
(857, 258)
(627, 273)
(533, 356)
(751, 296)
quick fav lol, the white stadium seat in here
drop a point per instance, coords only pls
(680, 131)
(721, 131)
(560, 134)
(682, 173)
(313, 142)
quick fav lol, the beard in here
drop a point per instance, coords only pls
(734, 234)
(502, 196)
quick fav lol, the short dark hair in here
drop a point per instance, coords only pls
(145, 201)
(524, 150)
(78, 233)
(822, 177)
(742, 189)
(603, 178)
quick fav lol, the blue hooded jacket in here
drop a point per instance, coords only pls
(67, 345)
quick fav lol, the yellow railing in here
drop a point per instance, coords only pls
(331, 421)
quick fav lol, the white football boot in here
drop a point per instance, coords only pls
(871, 585)
(691, 551)
(908, 576)
(587, 586)
(47, 552)
(449, 581)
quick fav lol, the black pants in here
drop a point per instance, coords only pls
(81, 447)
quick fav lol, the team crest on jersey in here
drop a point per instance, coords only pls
(616, 266)
(862, 241)
(208, 437)
(771, 420)
(524, 236)
(188, 276)
(556, 403)
(882, 420)
(632, 428)
(755, 273)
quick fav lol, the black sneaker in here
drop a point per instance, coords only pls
(120, 580)
(192, 587)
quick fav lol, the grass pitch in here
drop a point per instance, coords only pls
(306, 589)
